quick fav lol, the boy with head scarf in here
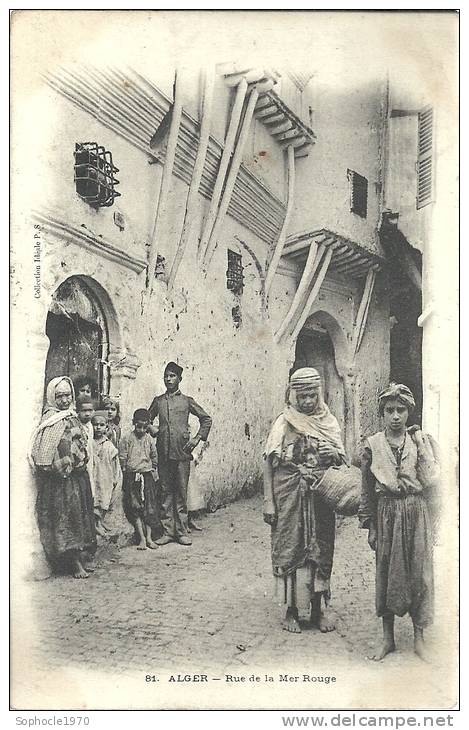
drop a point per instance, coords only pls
(399, 478)
(304, 441)
(175, 447)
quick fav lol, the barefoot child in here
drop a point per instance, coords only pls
(107, 472)
(112, 408)
(139, 461)
(399, 475)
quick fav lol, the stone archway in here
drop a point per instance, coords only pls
(84, 323)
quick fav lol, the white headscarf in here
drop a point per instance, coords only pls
(45, 438)
(321, 424)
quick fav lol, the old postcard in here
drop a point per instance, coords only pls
(234, 308)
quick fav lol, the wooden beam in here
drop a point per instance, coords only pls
(193, 194)
(362, 314)
(314, 256)
(291, 247)
(231, 178)
(353, 260)
(268, 120)
(221, 174)
(314, 291)
(283, 233)
(165, 182)
(267, 111)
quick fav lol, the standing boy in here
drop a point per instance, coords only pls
(175, 446)
(139, 462)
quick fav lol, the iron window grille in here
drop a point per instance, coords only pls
(234, 273)
(95, 179)
(425, 158)
(358, 193)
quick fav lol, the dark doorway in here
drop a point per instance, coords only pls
(77, 331)
(314, 348)
(405, 308)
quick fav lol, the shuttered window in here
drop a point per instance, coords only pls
(358, 193)
(425, 158)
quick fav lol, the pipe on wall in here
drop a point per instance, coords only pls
(283, 233)
(192, 196)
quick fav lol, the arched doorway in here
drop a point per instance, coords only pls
(315, 348)
(78, 334)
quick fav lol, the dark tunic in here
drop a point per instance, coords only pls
(64, 505)
(173, 410)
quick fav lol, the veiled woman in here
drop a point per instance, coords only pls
(304, 441)
(64, 505)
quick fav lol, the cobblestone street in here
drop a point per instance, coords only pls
(209, 609)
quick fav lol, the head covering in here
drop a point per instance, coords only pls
(47, 435)
(141, 414)
(173, 367)
(305, 379)
(321, 424)
(396, 391)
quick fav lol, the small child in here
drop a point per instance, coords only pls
(85, 412)
(139, 461)
(112, 408)
(85, 385)
(399, 481)
(107, 472)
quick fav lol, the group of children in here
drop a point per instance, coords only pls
(147, 470)
(121, 469)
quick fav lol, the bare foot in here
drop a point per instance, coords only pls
(421, 650)
(322, 619)
(326, 623)
(152, 545)
(78, 570)
(142, 545)
(290, 623)
(387, 648)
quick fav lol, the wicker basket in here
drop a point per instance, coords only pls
(340, 489)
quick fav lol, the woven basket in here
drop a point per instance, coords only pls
(340, 489)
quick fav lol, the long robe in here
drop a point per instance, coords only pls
(64, 505)
(302, 539)
(403, 512)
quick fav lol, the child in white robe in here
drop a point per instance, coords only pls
(107, 476)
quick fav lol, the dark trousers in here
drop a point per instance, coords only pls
(174, 478)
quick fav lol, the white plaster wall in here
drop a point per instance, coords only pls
(349, 128)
